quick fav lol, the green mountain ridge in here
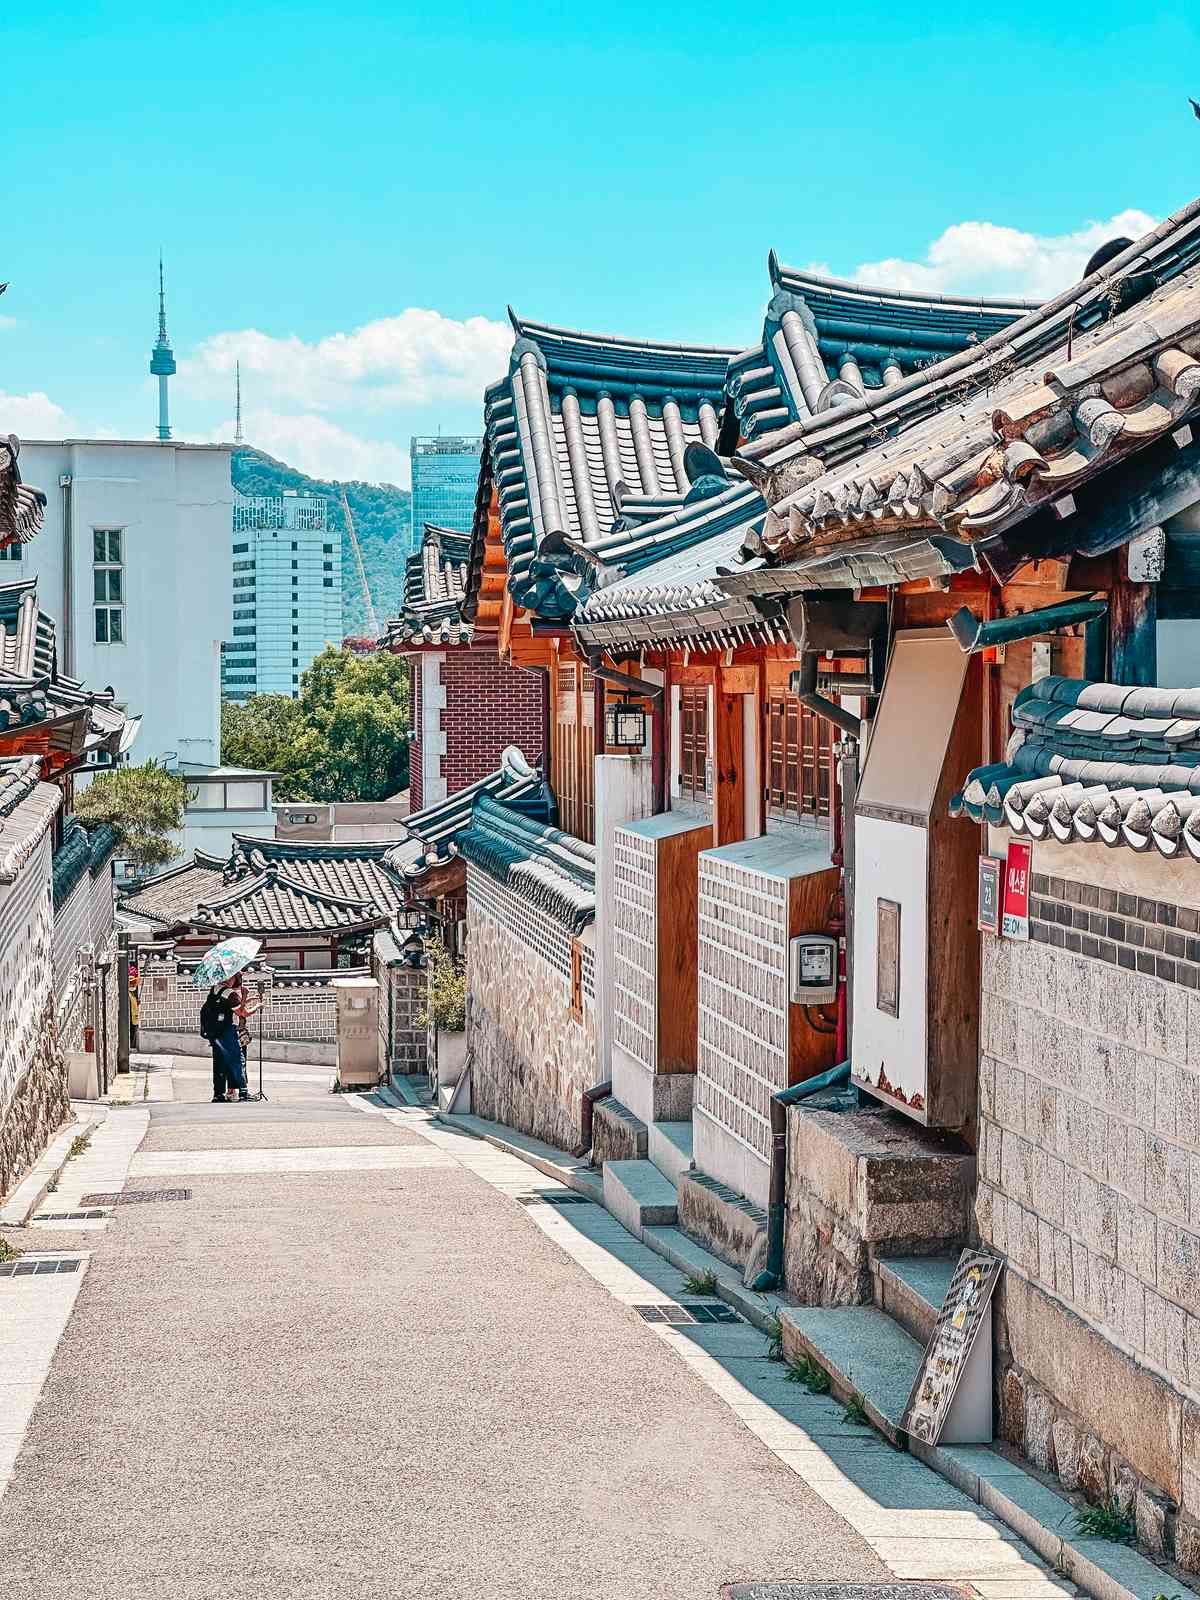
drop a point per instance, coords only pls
(382, 520)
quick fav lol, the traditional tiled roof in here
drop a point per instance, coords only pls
(826, 342)
(434, 832)
(581, 424)
(21, 508)
(27, 635)
(356, 871)
(1097, 761)
(82, 850)
(434, 589)
(169, 898)
(273, 901)
(546, 867)
(26, 809)
(987, 438)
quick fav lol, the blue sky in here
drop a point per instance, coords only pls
(349, 196)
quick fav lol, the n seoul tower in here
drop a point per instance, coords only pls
(162, 359)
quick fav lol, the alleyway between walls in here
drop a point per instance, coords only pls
(361, 1361)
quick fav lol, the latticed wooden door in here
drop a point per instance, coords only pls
(800, 758)
(693, 741)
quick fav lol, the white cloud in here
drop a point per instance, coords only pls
(319, 447)
(988, 258)
(34, 416)
(412, 359)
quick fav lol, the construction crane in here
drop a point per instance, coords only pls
(372, 620)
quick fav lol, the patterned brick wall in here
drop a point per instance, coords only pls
(296, 1008)
(1089, 1153)
(743, 1041)
(404, 1038)
(489, 705)
(530, 1058)
(635, 907)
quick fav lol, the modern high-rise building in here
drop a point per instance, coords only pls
(287, 593)
(445, 472)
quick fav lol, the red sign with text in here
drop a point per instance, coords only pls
(1017, 872)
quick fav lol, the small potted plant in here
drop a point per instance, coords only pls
(446, 1011)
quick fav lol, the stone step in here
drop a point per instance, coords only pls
(669, 1146)
(864, 1352)
(912, 1290)
(638, 1195)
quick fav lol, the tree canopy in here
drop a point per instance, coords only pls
(144, 807)
(345, 737)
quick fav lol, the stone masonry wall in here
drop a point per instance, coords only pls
(33, 1086)
(1089, 1164)
(530, 1058)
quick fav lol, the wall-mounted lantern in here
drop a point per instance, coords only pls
(624, 726)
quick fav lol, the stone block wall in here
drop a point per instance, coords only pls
(531, 1058)
(1089, 1162)
(33, 1083)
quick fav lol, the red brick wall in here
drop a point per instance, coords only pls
(488, 705)
(414, 749)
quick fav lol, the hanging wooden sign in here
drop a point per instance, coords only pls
(952, 1396)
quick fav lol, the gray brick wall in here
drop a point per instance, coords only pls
(1089, 1155)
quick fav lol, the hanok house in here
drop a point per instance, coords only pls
(313, 906)
(730, 847)
(468, 704)
(1049, 478)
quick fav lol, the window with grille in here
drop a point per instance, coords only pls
(693, 742)
(108, 585)
(800, 758)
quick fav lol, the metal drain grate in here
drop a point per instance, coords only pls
(670, 1312)
(797, 1590)
(39, 1269)
(69, 1216)
(131, 1197)
(553, 1200)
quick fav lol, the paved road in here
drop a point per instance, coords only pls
(376, 1381)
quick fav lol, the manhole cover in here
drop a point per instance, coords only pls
(24, 1268)
(130, 1197)
(846, 1591)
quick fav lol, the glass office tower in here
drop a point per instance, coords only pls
(445, 472)
(287, 593)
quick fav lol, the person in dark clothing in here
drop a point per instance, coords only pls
(218, 1024)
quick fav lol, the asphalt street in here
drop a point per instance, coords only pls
(382, 1382)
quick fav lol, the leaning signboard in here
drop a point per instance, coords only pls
(956, 1374)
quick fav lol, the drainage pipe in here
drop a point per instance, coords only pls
(598, 1091)
(806, 692)
(772, 1276)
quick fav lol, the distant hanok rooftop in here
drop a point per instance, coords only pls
(435, 578)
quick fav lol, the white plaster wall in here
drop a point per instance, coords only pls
(890, 861)
(433, 738)
(174, 503)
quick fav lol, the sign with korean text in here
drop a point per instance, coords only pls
(1017, 875)
(991, 872)
(964, 1319)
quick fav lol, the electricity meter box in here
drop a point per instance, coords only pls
(812, 969)
(359, 1047)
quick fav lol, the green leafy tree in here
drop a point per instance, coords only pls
(143, 806)
(344, 738)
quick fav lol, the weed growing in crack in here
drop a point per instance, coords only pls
(1107, 1522)
(814, 1378)
(701, 1283)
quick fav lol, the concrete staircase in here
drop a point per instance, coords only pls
(669, 1147)
(642, 1193)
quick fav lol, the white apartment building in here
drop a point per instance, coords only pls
(287, 592)
(133, 561)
